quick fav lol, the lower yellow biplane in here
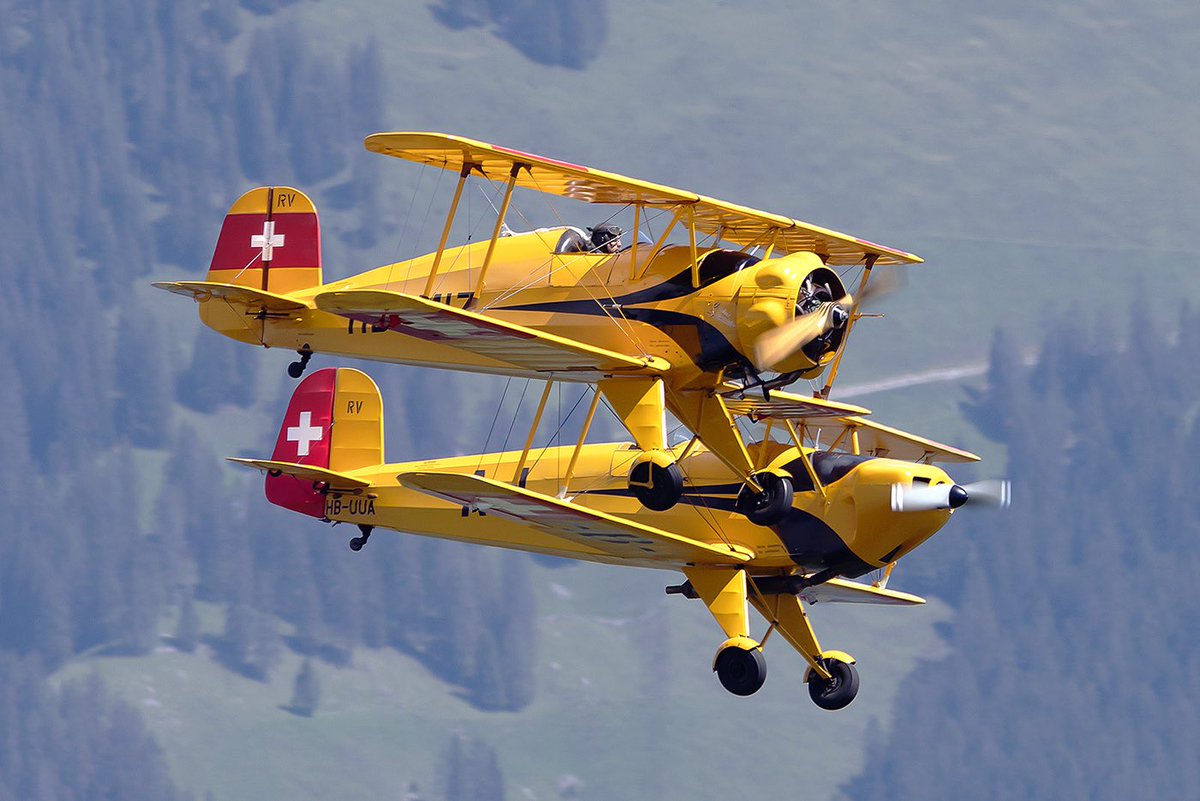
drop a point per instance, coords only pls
(859, 504)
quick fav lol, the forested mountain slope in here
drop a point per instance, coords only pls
(1035, 156)
(1074, 666)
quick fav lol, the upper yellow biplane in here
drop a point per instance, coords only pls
(692, 329)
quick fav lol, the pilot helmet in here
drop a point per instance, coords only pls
(606, 237)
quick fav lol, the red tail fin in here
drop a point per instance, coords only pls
(304, 438)
(309, 437)
(270, 240)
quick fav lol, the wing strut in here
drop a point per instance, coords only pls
(437, 259)
(508, 193)
(837, 360)
(537, 419)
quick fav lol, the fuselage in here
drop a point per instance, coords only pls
(638, 302)
(847, 526)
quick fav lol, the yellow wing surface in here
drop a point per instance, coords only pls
(728, 221)
(852, 592)
(476, 333)
(307, 472)
(621, 538)
(840, 426)
(252, 299)
(788, 406)
(876, 439)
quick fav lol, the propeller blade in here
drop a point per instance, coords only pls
(995, 493)
(780, 343)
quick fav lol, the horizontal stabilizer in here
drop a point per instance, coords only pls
(253, 299)
(332, 478)
(842, 591)
(615, 536)
(480, 334)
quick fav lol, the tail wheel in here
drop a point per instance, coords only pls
(770, 506)
(658, 488)
(839, 689)
(741, 671)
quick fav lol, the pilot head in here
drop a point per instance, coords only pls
(606, 238)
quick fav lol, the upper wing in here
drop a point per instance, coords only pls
(787, 406)
(728, 221)
(621, 538)
(252, 299)
(851, 592)
(477, 333)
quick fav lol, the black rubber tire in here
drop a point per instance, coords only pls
(295, 369)
(770, 506)
(839, 690)
(667, 489)
(741, 672)
(357, 544)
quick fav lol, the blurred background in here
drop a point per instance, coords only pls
(166, 634)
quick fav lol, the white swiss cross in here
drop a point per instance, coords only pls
(304, 434)
(268, 240)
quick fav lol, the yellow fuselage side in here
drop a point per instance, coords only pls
(604, 300)
(850, 528)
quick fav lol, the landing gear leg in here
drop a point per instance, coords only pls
(655, 479)
(739, 663)
(296, 369)
(831, 676)
(358, 542)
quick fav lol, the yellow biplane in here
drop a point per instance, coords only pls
(853, 511)
(688, 329)
(752, 509)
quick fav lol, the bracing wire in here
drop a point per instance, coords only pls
(404, 224)
(492, 428)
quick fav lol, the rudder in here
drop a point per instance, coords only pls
(334, 421)
(270, 240)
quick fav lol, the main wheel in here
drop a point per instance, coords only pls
(768, 507)
(666, 485)
(741, 671)
(839, 689)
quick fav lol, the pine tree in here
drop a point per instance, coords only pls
(251, 641)
(469, 770)
(306, 692)
(187, 632)
(143, 413)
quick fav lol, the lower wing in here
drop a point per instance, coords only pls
(624, 539)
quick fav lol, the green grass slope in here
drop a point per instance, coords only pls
(626, 702)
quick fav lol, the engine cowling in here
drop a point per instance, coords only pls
(778, 292)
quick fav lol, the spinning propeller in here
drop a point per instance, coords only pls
(776, 346)
(995, 493)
